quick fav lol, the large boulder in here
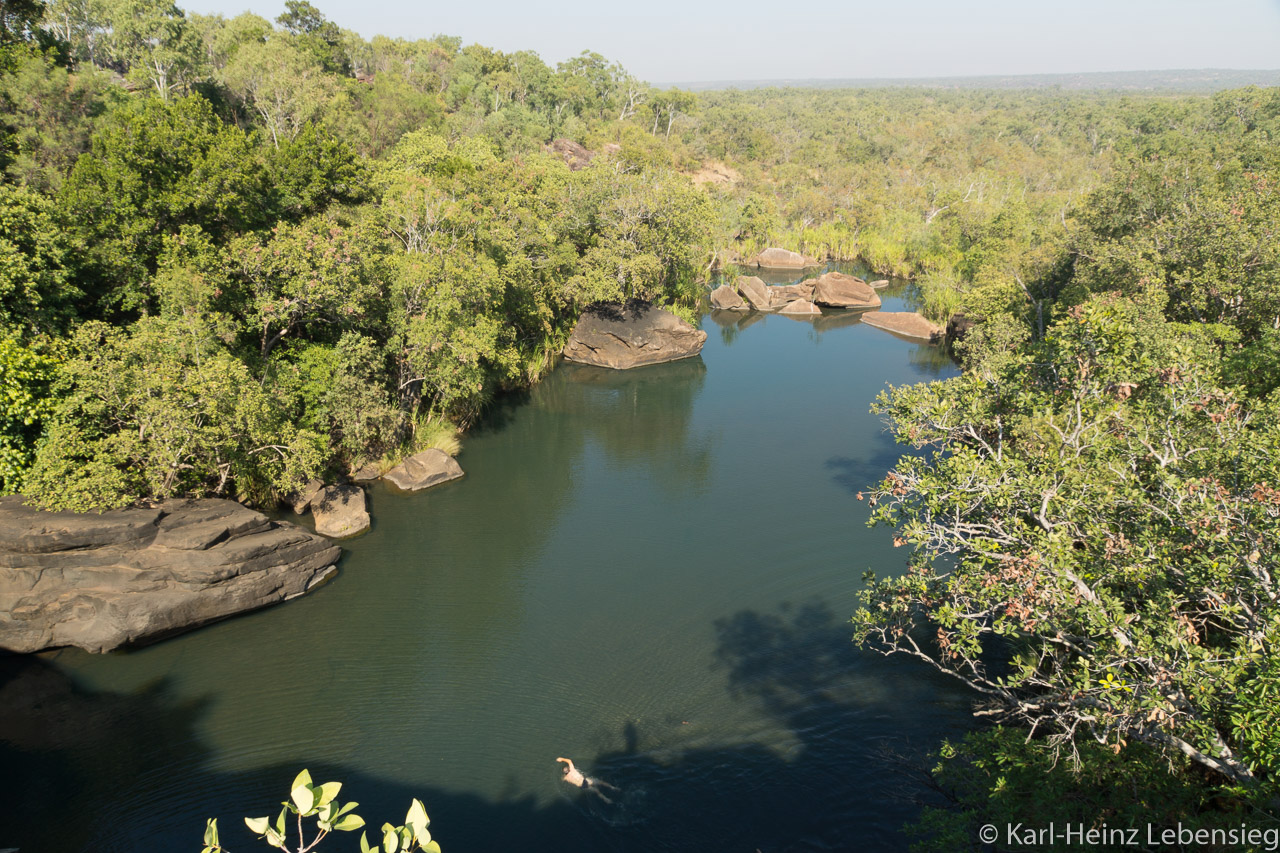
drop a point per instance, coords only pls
(633, 334)
(301, 502)
(340, 511)
(756, 292)
(782, 294)
(726, 298)
(574, 154)
(130, 576)
(908, 324)
(782, 259)
(837, 290)
(423, 470)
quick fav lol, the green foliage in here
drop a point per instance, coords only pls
(26, 402)
(1105, 509)
(154, 168)
(307, 799)
(160, 411)
(35, 293)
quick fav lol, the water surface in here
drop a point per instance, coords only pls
(649, 571)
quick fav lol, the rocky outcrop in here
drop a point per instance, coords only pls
(756, 292)
(340, 511)
(725, 298)
(130, 576)
(958, 326)
(800, 308)
(904, 323)
(837, 290)
(782, 259)
(301, 502)
(423, 470)
(575, 155)
(629, 335)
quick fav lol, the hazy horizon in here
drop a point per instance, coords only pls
(819, 39)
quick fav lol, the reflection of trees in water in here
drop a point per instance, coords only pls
(119, 772)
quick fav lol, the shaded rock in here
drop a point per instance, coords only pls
(800, 308)
(573, 153)
(367, 473)
(782, 259)
(423, 470)
(879, 283)
(781, 294)
(631, 335)
(131, 576)
(301, 502)
(340, 511)
(957, 327)
(908, 324)
(756, 292)
(726, 298)
(837, 290)
(837, 320)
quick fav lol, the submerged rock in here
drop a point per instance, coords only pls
(340, 511)
(800, 308)
(782, 259)
(423, 470)
(879, 283)
(726, 298)
(837, 290)
(629, 335)
(131, 576)
(905, 323)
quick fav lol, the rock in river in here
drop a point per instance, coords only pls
(837, 290)
(755, 292)
(340, 511)
(800, 308)
(782, 259)
(726, 298)
(630, 335)
(423, 470)
(905, 323)
(130, 576)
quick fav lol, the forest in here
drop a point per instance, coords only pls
(237, 254)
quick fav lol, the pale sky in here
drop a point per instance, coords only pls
(662, 41)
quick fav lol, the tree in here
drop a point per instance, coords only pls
(287, 87)
(319, 801)
(158, 412)
(150, 40)
(1094, 531)
(154, 168)
(26, 403)
(36, 296)
(320, 38)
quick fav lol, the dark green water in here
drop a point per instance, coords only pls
(649, 571)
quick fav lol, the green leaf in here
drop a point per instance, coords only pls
(211, 832)
(348, 823)
(304, 798)
(327, 792)
(390, 840)
(303, 778)
(364, 845)
(257, 825)
(417, 816)
(275, 839)
(432, 847)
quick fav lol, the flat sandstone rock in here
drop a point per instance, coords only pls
(800, 308)
(423, 470)
(905, 323)
(726, 298)
(131, 576)
(622, 336)
(782, 259)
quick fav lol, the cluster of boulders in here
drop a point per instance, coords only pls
(341, 510)
(832, 290)
(631, 334)
(129, 576)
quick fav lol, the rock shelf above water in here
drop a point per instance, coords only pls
(131, 576)
(629, 335)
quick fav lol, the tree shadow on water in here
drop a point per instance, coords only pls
(124, 772)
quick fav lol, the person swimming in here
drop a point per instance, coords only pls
(575, 777)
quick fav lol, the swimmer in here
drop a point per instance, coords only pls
(574, 777)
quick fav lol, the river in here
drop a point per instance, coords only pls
(648, 571)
